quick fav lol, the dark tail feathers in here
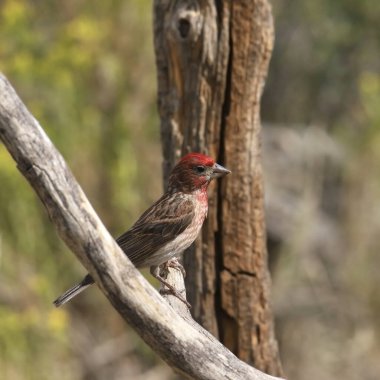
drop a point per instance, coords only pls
(74, 291)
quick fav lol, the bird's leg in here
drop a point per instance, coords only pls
(155, 272)
(174, 263)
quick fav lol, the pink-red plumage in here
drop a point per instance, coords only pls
(172, 223)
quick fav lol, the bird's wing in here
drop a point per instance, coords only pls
(159, 225)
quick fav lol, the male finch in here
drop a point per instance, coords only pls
(171, 224)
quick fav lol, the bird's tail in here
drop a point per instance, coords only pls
(74, 291)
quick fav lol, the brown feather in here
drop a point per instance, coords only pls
(160, 224)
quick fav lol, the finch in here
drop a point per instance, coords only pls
(170, 225)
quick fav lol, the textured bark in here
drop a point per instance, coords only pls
(183, 344)
(212, 59)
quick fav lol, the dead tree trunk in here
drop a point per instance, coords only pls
(212, 59)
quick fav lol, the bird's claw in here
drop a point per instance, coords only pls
(174, 263)
(175, 293)
(155, 271)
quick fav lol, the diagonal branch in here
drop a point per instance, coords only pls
(185, 346)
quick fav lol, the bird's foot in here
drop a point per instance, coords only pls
(174, 263)
(173, 291)
(155, 271)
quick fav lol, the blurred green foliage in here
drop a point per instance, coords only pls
(86, 72)
(325, 72)
(323, 51)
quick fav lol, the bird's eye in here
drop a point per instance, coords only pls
(200, 169)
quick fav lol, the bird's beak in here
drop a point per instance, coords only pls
(219, 171)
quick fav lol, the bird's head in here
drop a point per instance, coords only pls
(195, 171)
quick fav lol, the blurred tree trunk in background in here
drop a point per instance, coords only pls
(212, 59)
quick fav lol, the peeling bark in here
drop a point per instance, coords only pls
(212, 59)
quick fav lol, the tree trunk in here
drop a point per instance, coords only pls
(212, 58)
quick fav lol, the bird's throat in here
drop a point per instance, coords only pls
(201, 196)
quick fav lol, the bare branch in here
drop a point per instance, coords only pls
(189, 350)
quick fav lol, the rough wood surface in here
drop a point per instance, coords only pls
(212, 59)
(191, 63)
(195, 354)
(245, 280)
